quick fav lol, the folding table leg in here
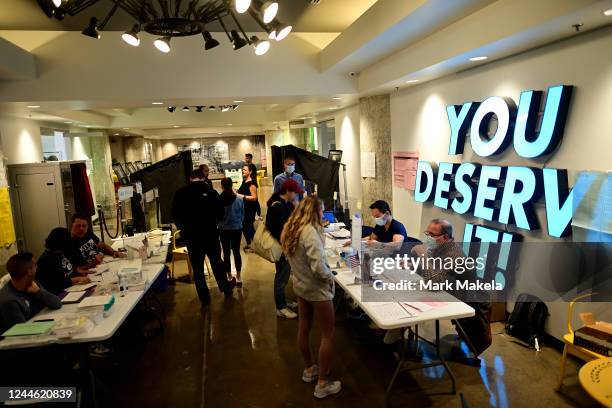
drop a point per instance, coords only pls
(448, 370)
(400, 364)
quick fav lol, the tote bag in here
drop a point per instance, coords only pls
(265, 245)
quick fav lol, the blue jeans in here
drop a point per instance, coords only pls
(283, 271)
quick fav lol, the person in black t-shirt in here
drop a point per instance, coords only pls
(248, 192)
(55, 271)
(85, 250)
(387, 229)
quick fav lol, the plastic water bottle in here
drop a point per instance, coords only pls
(122, 285)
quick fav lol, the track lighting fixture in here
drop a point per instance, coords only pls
(225, 108)
(242, 5)
(92, 29)
(234, 107)
(209, 41)
(268, 11)
(171, 109)
(185, 108)
(199, 108)
(131, 36)
(261, 46)
(163, 44)
(237, 40)
(182, 19)
(211, 108)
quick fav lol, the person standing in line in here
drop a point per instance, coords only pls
(196, 209)
(55, 272)
(248, 160)
(280, 207)
(248, 192)
(313, 283)
(205, 172)
(230, 229)
(289, 174)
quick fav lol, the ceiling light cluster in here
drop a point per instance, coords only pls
(180, 19)
(201, 108)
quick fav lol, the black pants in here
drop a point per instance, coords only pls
(230, 241)
(198, 251)
(248, 227)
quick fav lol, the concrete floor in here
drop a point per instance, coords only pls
(237, 353)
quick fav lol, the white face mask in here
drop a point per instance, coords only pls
(380, 221)
(290, 169)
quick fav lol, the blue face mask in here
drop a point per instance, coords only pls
(430, 242)
(290, 169)
(380, 221)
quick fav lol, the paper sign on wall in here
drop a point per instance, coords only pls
(7, 231)
(404, 169)
(368, 164)
(125, 193)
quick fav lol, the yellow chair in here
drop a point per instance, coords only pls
(570, 348)
(180, 254)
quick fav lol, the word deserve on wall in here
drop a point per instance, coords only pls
(474, 188)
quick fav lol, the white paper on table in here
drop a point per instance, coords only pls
(72, 297)
(95, 301)
(79, 288)
(389, 311)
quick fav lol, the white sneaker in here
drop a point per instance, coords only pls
(292, 305)
(327, 388)
(286, 313)
(310, 374)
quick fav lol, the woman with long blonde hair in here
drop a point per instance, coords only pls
(313, 283)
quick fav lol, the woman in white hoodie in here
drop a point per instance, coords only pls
(313, 283)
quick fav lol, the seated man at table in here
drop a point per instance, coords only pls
(55, 272)
(440, 244)
(387, 228)
(85, 249)
(22, 297)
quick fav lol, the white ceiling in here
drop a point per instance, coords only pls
(107, 84)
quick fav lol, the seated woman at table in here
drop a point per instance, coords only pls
(313, 283)
(22, 297)
(85, 249)
(55, 272)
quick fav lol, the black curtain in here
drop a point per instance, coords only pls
(315, 169)
(168, 176)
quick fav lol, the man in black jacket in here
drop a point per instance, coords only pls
(196, 208)
(280, 207)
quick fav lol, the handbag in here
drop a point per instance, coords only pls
(265, 245)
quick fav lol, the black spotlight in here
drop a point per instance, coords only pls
(211, 108)
(47, 7)
(171, 109)
(234, 107)
(199, 108)
(185, 108)
(92, 29)
(237, 40)
(209, 41)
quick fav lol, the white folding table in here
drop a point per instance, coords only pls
(449, 309)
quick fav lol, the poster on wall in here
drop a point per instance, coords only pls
(404, 169)
(368, 164)
(211, 154)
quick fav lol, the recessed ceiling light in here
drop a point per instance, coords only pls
(219, 133)
(157, 103)
(33, 106)
(337, 98)
(125, 128)
(229, 124)
(481, 58)
(608, 13)
(238, 101)
(412, 81)
(176, 126)
(116, 134)
(68, 123)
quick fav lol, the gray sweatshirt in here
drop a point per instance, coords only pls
(312, 278)
(18, 307)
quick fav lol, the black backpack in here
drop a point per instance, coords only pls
(526, 322)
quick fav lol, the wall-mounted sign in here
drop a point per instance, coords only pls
(497, 193)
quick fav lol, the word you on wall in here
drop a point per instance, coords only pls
(497, 193)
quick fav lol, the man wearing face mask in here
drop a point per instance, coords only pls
(22, 297)
(387, 228)
(440, 243)
(289, 174)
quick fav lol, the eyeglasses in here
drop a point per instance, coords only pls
(429, 234)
